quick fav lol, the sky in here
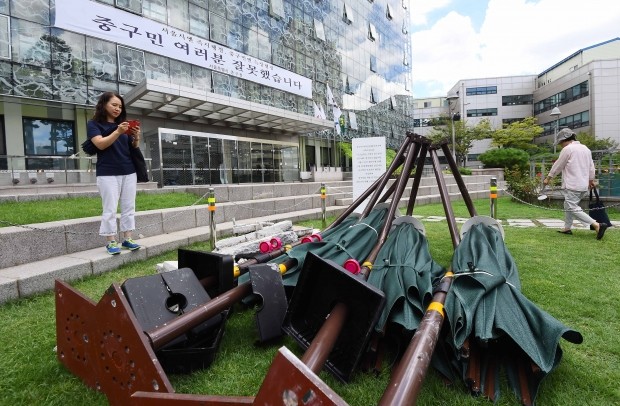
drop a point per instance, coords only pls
(468, 39)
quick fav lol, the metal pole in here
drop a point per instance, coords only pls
(408, 376)
(493, 197)
(555, 136)
(211, 206)
(324, 341)
(453, 139)
(323, 209)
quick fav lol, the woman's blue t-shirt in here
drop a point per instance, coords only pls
(116, 159)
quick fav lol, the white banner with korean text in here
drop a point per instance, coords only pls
(368, 165)
(112, 24)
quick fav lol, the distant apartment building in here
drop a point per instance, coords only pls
(585, 87)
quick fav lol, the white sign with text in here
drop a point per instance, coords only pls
(368, 165)
(111, 24)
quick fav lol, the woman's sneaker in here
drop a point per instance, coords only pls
(113, 248)
(130, 244)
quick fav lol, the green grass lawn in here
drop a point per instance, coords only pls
(42, 211)
(571, 277)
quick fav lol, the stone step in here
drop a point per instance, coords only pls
(36, 242)
(38, 276)
(72, 249)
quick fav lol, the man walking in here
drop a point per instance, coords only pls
(577, 168)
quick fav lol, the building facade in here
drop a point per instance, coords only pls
(239, 90)
(585, 87)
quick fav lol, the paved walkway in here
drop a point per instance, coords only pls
(521, 223)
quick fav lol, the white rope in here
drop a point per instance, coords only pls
(465, 273)
(551, 208)
(367, 225)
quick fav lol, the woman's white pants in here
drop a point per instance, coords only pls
(115, 190)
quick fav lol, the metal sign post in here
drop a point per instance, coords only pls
(211, 202)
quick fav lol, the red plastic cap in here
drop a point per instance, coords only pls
(264, 247)
(352, 266)
(276, 243)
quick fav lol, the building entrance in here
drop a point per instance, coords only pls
(194, 158)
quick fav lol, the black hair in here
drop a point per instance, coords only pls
(100, 113)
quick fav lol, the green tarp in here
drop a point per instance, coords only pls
(349, 240)
(486, 310)
(404, 271)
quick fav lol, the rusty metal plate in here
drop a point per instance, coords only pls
(174, 399)
(290, 382)
(104, 345)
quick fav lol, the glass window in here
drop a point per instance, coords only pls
(235, 36)
(68, 51)
(217, 29)
(264, 48)
(477, 91)
(101, 59)
(319, 29)
(217, 6)
(373, 63)
(276, 8)
(198, 21)
(135, 5)
(155, 10)
(6, 71)
(352, 120)
(517, 100)
(32, 81)
(347, 14)
(69, 87)
(48, 137)
(178, 14)
(372, 32)
(481, 112)
(243, 171)
(5, 37)
(221, 84)
(130, 64)
(30, 43)
(180, 73)
(201, 78)
(31, 10)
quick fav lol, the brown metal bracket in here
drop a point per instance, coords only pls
(104, 345)
(288, 382)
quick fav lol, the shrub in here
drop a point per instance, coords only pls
(465, 171)
(505, 158)
(521, 185)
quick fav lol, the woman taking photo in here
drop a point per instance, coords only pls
(116, 175)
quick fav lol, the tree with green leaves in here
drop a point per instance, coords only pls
(518, 134)
(464, 135)
(590, 141)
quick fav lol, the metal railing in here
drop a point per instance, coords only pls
(607, 166)
(41, 169)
